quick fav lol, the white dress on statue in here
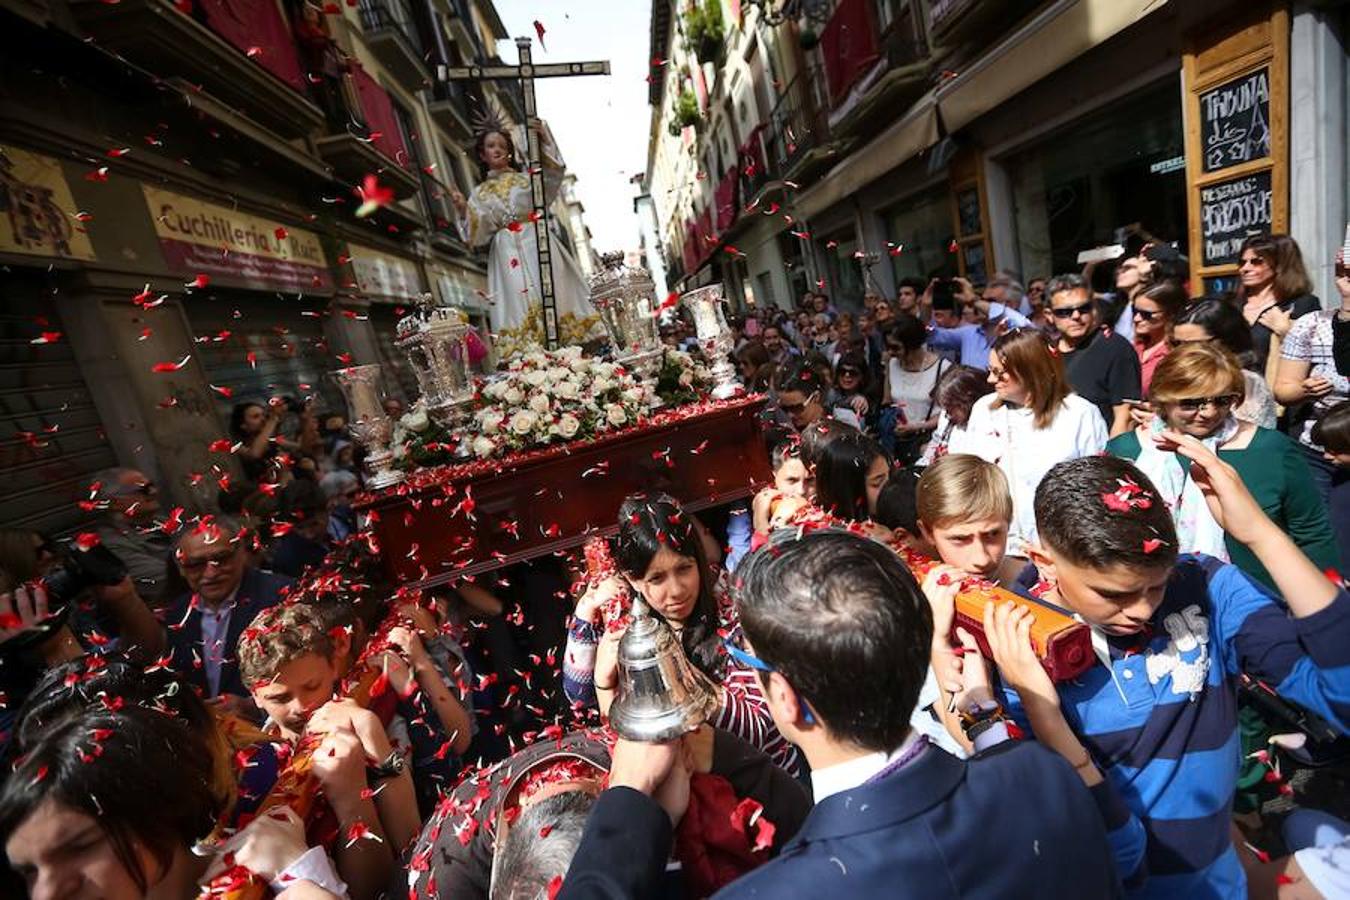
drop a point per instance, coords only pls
(498, 215)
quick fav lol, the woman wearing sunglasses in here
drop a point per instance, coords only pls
(1153, 310)
(1195, 391)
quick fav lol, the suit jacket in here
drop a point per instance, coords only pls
(257, 591)
(1014, 822)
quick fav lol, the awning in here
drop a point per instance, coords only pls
(914, 133)
(1052, 39)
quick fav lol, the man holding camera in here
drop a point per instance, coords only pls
(130, 502)
(970, 341)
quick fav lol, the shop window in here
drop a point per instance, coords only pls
(922, 227)
(846, 280)
(1117, 167)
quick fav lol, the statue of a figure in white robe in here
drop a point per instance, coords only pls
(499, 214)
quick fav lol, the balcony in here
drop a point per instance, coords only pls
(895, 78)
(365, 138)
(212, 49)
(450, 109)
(392, 35)
(799, 131)
(848, 46)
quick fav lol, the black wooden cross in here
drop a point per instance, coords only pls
(526, 72)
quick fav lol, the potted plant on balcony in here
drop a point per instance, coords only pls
(685, 112)
(704, 31)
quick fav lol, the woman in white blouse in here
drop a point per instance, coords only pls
(1032, 421)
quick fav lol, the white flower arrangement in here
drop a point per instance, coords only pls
(545, 397)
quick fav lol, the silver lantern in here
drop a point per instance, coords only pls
(714, 338)
(368, 423)
(435, 340)
(659, 695)
(624, 297)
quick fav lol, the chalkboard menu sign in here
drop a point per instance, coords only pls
(1235, 121)
(1232, 210)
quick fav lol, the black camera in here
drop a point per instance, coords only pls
(81, 569)
(294, 405)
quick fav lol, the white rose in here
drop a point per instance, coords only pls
(535, 377)
(523, 422)
(557, 374)
(569, 425)
(633, 394)
(494, 390)
(416, 420)
(539, 402)
(483, 446)
(600, 385)
(615, 414)
(567, 390)
(686, 378)
(491, 420)
(513, 396)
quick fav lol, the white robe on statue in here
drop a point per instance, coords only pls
(498, 216)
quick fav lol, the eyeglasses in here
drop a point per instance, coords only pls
(1064, 312)
(794, 408)
(997, 374)
(1254, 261)
(1195, 404)
(1145, 314)
(843, 373)
(759, 665)
(219, 560)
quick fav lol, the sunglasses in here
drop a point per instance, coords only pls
(1064, 312)
(199, 563)
(759, 665)
(793, 408)
(850, 372)
(1146, 315)
(1194, 404)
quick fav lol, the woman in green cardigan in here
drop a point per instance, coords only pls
(1195, 390)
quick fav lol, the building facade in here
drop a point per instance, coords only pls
(843, 145)
(181, 185)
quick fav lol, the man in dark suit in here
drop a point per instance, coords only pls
(841, 633)
(224, 595)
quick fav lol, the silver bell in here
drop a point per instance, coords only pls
(659, 695)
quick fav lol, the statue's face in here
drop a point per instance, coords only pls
(496, 152)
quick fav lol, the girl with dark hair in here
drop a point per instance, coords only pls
(1152, 311)
(853, 387)
(111, 804)
(1032, 421)
(850, 473)
(660, 553)
(1215, 319)
(257, 427)
(912, 373)
(1274, 290)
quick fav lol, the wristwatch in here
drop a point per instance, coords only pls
(979, 716)
(391, 767)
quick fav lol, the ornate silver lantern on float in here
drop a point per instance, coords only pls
(624, 297)
(659, 695)
(714, 338)
(369, 425)
(435, 340)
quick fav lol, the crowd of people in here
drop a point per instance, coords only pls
(1172, 474)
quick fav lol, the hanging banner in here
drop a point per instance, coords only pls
(381, 276)
(200, 238)
(38, 215)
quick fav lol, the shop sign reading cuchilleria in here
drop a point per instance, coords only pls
(197, 237)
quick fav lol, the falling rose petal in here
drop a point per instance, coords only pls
(1152, 544)
(373, 196)
(47, 337)
(555, 883)
(281, 233)
(170, 366)
(360, 831)
(83, 216)
(118, 152)
(539, 30)
(252, 359)
(99, 174)
(87, 540)
(201, 281)
(253, 52)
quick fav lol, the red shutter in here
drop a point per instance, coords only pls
(257, 28)
(849, 46)
(378, 111)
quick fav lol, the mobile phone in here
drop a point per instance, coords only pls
(1101, 254)
(1137, 404)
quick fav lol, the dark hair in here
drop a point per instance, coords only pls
(944, 296)
(958, 389)
(845, 623)
(788, 446)
(907, 330)
(237, 418)
(754, 354)
(480, 142)
(540, 844)
(1026, 355)
(1070, 281)
(1170, 297)
(897, 503)
(1224, 322)
(817, 435)
(841, 474)
(141, 775)
(649, 523)
(302, 499)
(1084, 513)
(1167, 263)
(798, 374)
(856, 361)
(1281, 252)
(918, 285)
(1332, 431)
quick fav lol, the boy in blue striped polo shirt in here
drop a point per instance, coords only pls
(1158, 716)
